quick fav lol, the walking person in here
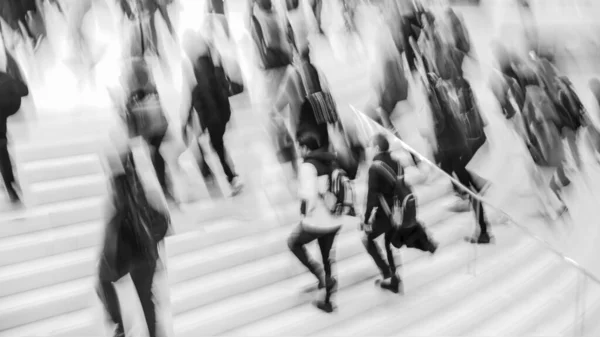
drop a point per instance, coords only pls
(387, 196)
(138, 223)
(11, 93)
(210, 99)
(317, 223)
(376, 222)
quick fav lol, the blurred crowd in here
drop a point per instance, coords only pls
(419, 48)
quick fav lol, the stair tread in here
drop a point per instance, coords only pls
(283, 259)
(53, 325)
(414, 305)
(70, 182)
(51, 293)
(27, 268)
(54, 163)
(50, 208)
(47, 235)
(274, 235)
(353, 300)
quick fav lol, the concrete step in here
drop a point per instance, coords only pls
(72, 188)
(61, 168)
(280, 265)
(44, 243)
(28, 220)
(28, 152)
(48, 271)
(85, 322)
(494, 263)
(35, 305)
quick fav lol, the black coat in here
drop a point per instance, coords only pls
(379, 185)
(210, 97)
(11, 92)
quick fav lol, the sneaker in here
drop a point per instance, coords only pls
(392, 284)
(482, 239)
(119, 331)
(236, 186)
(13, 196)
(327, 307)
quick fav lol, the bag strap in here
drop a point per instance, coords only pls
(302, 69)
(385, 207)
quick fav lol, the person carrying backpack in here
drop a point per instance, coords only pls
(473, 123)
(210, 100)
(11, 93)
(320, 219)
(145, 116)
(269, 36)
(387, 190)
(138, 223)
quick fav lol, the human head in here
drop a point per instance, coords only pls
(194, 44)
(381, 143)
(309, 141)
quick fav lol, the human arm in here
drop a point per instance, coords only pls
(307, 188)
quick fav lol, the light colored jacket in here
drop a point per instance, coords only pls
(311, 187)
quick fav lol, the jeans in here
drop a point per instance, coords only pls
(387, 269)
(454, 164)
(302, 236)
(158, 162)
(216, 139)
(6, 166)
(142, 275)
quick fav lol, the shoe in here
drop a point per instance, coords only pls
(236, 186)
(327, 307)
(392, 284)
(119, 331)
(13, 196)
(482, 239)
(433, 246)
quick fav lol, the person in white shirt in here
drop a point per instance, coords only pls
(317, 223)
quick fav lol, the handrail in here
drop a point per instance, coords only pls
(408, 148)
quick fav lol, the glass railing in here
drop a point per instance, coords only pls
(536, 290)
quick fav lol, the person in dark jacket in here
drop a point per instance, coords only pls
(125, 249)
(376, 222)
(11, 93)
(210, 99)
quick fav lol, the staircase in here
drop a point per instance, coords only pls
(251, 285)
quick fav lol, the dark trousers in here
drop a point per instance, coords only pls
(216, 134)
(297, 242)
(387, 269)
(456, 164)
(6, 166)
(158, 161)
(142, 275)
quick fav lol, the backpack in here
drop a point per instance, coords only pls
(339, 197)
(446, 113)
(462, 41)
(574, 111)
(395, 85)
(403, 210)
(145, 115)
(471, 118)
(542, 123)
(321, 102)
(267, 35)
(137, 223)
